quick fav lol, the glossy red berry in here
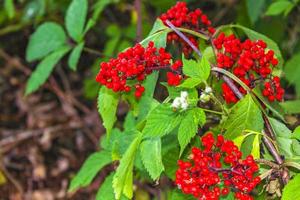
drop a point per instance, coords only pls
(215, 168)
(180, 16)
(250, 61)
(135, 64)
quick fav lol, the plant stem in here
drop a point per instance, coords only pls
(93, 51)
(212, 111)
(268, 130)
(180, 34)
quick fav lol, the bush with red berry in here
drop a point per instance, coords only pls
(219, 133)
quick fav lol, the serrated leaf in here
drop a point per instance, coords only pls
(93, 164)
(255, 152)
(190, 83)
(151, 157)
(253, 35)
(255, 9)
(156, 125)
(75, 18)
(291, 190)
(44, 69)
(48, 37)
(123, 179)
(75, 55)
(279, 7)
(158, 35)
(196, 70)
(292, 70)
(243, 115)
(107, 107)
(189, 126)
(9, 8)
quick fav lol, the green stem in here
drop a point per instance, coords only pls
(212, 111)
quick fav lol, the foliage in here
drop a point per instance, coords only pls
(146, 145)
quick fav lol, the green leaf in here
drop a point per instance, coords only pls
(145, 104)
(291, 190)
(156, 125)
(123, 179)
(189, 126)
(255, 152)
(106, 190)
(99, 7)
(283, 137)
(291, 107)
(258, 36)
(238, 141)
(255, 9)
(158, 35)
(107, 107)
(47, 38)
(9, 8)
(292, 70)
(243, 115)
(75, 55)
(296, 133)
(196, 70)
(44, 69)
(178, 195)
(93, 164)
(190, 83)
(75, 19)
(175, 91)
(274, 107)
(278, 7)
(151, 157)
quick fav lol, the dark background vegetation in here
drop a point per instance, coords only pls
(46, 136)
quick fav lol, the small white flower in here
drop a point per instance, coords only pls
(184, 105)
(176, 103)
(184, 94)
(204, 97)
(208, 90)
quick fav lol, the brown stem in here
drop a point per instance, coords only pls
(180, 34)
(268, 129)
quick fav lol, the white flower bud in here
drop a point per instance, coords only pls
(208, 90)
(204, 97)
(176, 103)
(184, 94)
(184, 105)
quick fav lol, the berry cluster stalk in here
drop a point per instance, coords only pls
(268, 129)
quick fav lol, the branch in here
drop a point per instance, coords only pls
(180, 34)
(268, 130)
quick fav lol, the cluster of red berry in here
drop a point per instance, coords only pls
(135, 64)
(219, 163)
(180, 16)
(249, 61)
